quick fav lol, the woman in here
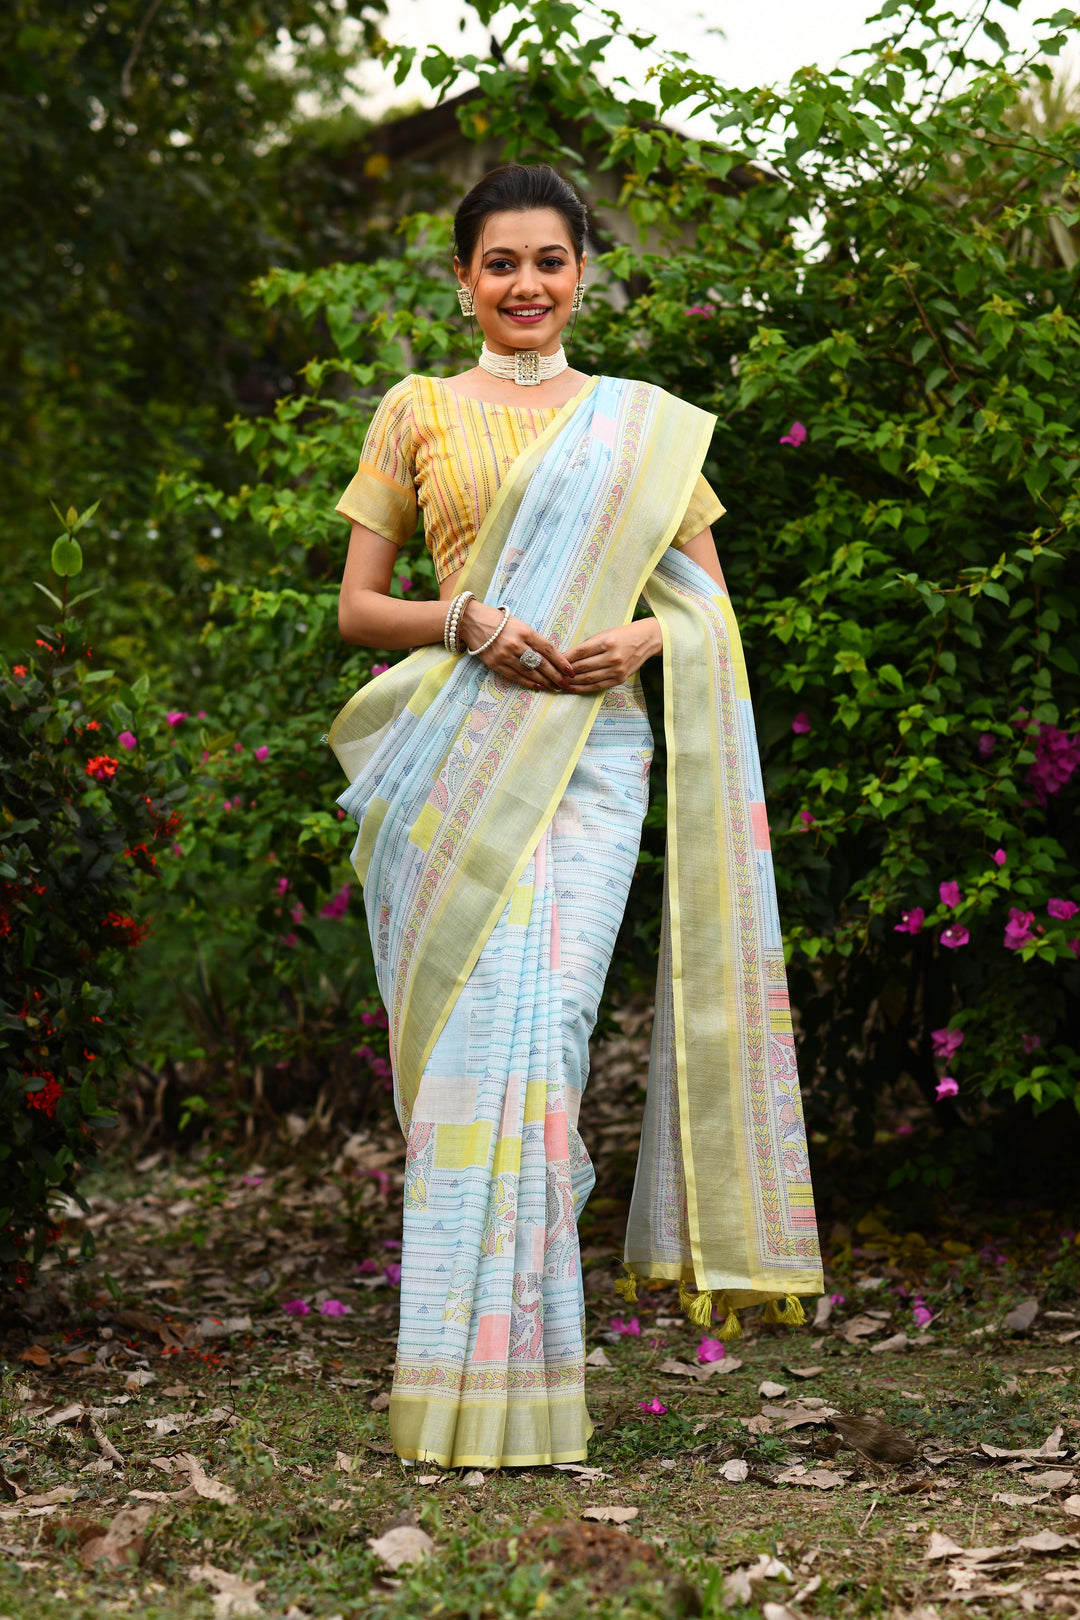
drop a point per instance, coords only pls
(499, 777)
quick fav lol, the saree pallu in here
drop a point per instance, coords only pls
(491, 953)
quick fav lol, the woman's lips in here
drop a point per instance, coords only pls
(530, 319)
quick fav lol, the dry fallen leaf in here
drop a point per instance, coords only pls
(212, 1489)
(105, 1445)
(1016, 1499)
(822, 1311)
(1021, 1316)
(597, 1357)
(65, 1414)
(473, 1481)
(822, 1479)
(1047, 1541)
(168, 1423)
(380, 1402)
(404, 1544)
(735, 1469)
(36, 1355)
(344, 1463)
(739, 1585)
(1051, 1447)
(1071, 1505)
(757, 1425)
(859, 1327)
(798, 1413)
(1051, 1479)
(898, 1341)
(430, 1479)
(771, 1391)
(232, 1594)
(805, 1372)
(122, 1543)
(941, 1546)
(778, 1611)
(610, 1515)
(580, 1470)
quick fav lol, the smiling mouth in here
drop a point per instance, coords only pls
(529, 311)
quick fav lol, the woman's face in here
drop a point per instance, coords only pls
(522, 279)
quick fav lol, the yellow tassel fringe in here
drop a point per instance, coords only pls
(787, 1312)
(626, 1287)
(732, 1328)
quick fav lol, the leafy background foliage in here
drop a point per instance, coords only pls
(885, 255)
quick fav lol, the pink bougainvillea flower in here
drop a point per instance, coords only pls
(904, 1128)
(405, 582)
(631, 1329)
(946, 1087)
(921, 1312)
(282, 885)
(710, 1350)
(1074, 946)
(391, 1243)
(702, 309)
(290, 941)
(655, 1406)
(1030, 1043)
(1018, 929)
(950, 894)
(176, 717)
(338, 904)
(1056, 757)
(262, 752)
(392, 1273)
(335, 1307)
(379, 669)
(379, 1177)
(806, 818)
(837, 1299)
(297, 912)
(238, 748)
(986, 744)
(367, 1268)
(952, 938)
(296, 1307)
(341, 815)
(795, 435)
(946, 1042)
(801, 723)
(999, 857)
(910, 921)
(128, 739)
(251, 1180)
(1062, 908)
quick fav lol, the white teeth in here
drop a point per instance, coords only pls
(520, 312)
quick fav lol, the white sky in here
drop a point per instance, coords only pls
(742, 44)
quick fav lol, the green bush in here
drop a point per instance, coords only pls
(88, 812)
(869, 278)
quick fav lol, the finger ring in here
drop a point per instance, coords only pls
(530, 658)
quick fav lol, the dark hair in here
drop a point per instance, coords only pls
(514, 188)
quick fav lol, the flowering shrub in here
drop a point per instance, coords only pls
(78, 829)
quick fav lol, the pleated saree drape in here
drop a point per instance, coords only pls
(498, 832)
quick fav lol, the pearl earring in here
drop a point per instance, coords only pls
(464, 298)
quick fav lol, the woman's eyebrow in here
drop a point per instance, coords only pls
(553, 247)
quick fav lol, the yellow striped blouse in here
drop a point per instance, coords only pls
(431, 446)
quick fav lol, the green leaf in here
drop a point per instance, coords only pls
(67, 559)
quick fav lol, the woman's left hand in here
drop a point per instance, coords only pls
(608, 659)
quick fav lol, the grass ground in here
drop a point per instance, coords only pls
(247, 1450)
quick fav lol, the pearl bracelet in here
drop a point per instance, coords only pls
(453, 621)
(494, 636)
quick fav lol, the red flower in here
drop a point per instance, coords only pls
(131, 933)
(92, 725)
(102, 767)
(47, 1098)
(19, 670)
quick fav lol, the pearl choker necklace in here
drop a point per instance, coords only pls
(525, 367)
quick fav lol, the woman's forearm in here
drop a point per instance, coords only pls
(370, 619)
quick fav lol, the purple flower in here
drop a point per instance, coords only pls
(950, 894)
(128, 739)
(946, 1043)
(710, 1350)
(631, 1329)
(1056, 757)
(921, 1312)
(290, 941)
(238, 748)
(946, 1087)
(952, 938)
(905, 1128)
(801, 723)
(282, 885)
(335, 1307)
(1018, 929)
(702, 309)
(391, 1243)
(338, 905)
(405, 582)
(999, 857)
(986, 744)
(379, 669)
(176, 717)
(837, 1299)
(297, 912)
(392, 1273)
(1062, 908)
(380, 1178)
(296, 1307)
(251, 1181)
(1030, 1043)
(367, 1268)
(655, 1406)
(910, 921)
(262, 752)
(806, 818)
(795, 435)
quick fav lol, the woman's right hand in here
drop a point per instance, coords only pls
(478, 621)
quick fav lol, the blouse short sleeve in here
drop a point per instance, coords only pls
(382, 495)
(701, 513)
